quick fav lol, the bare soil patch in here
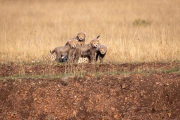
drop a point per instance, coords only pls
(122, 91)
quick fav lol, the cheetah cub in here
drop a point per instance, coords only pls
(101, 52)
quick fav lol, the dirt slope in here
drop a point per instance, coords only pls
(122, 95)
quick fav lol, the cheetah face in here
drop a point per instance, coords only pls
(102, 51)
(81, 36)
(73, 43)
(95, 43)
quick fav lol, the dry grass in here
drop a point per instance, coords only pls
(138, 31)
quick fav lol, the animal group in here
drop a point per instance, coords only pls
(76, 51)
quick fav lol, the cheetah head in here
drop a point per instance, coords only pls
(94, 43)
(73, 43)
(102, 49)
(81, 36)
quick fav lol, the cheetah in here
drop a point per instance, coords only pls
(88, 50)
(101, 52)
(68, 51)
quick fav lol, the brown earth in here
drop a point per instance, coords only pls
(139, 91)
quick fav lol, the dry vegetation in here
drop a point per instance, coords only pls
(138, 31)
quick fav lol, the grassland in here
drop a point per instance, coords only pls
(134, 31)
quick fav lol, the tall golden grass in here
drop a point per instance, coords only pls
(134, 31)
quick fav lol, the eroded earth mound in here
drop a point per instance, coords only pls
(90, 92)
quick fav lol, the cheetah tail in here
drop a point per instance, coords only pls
(97, 36)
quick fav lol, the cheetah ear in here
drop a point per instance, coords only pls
(85, 34)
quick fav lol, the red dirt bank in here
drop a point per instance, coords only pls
(134, 97)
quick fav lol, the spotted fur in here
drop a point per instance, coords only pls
(83, 60)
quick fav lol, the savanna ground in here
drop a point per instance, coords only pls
(140, 78)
